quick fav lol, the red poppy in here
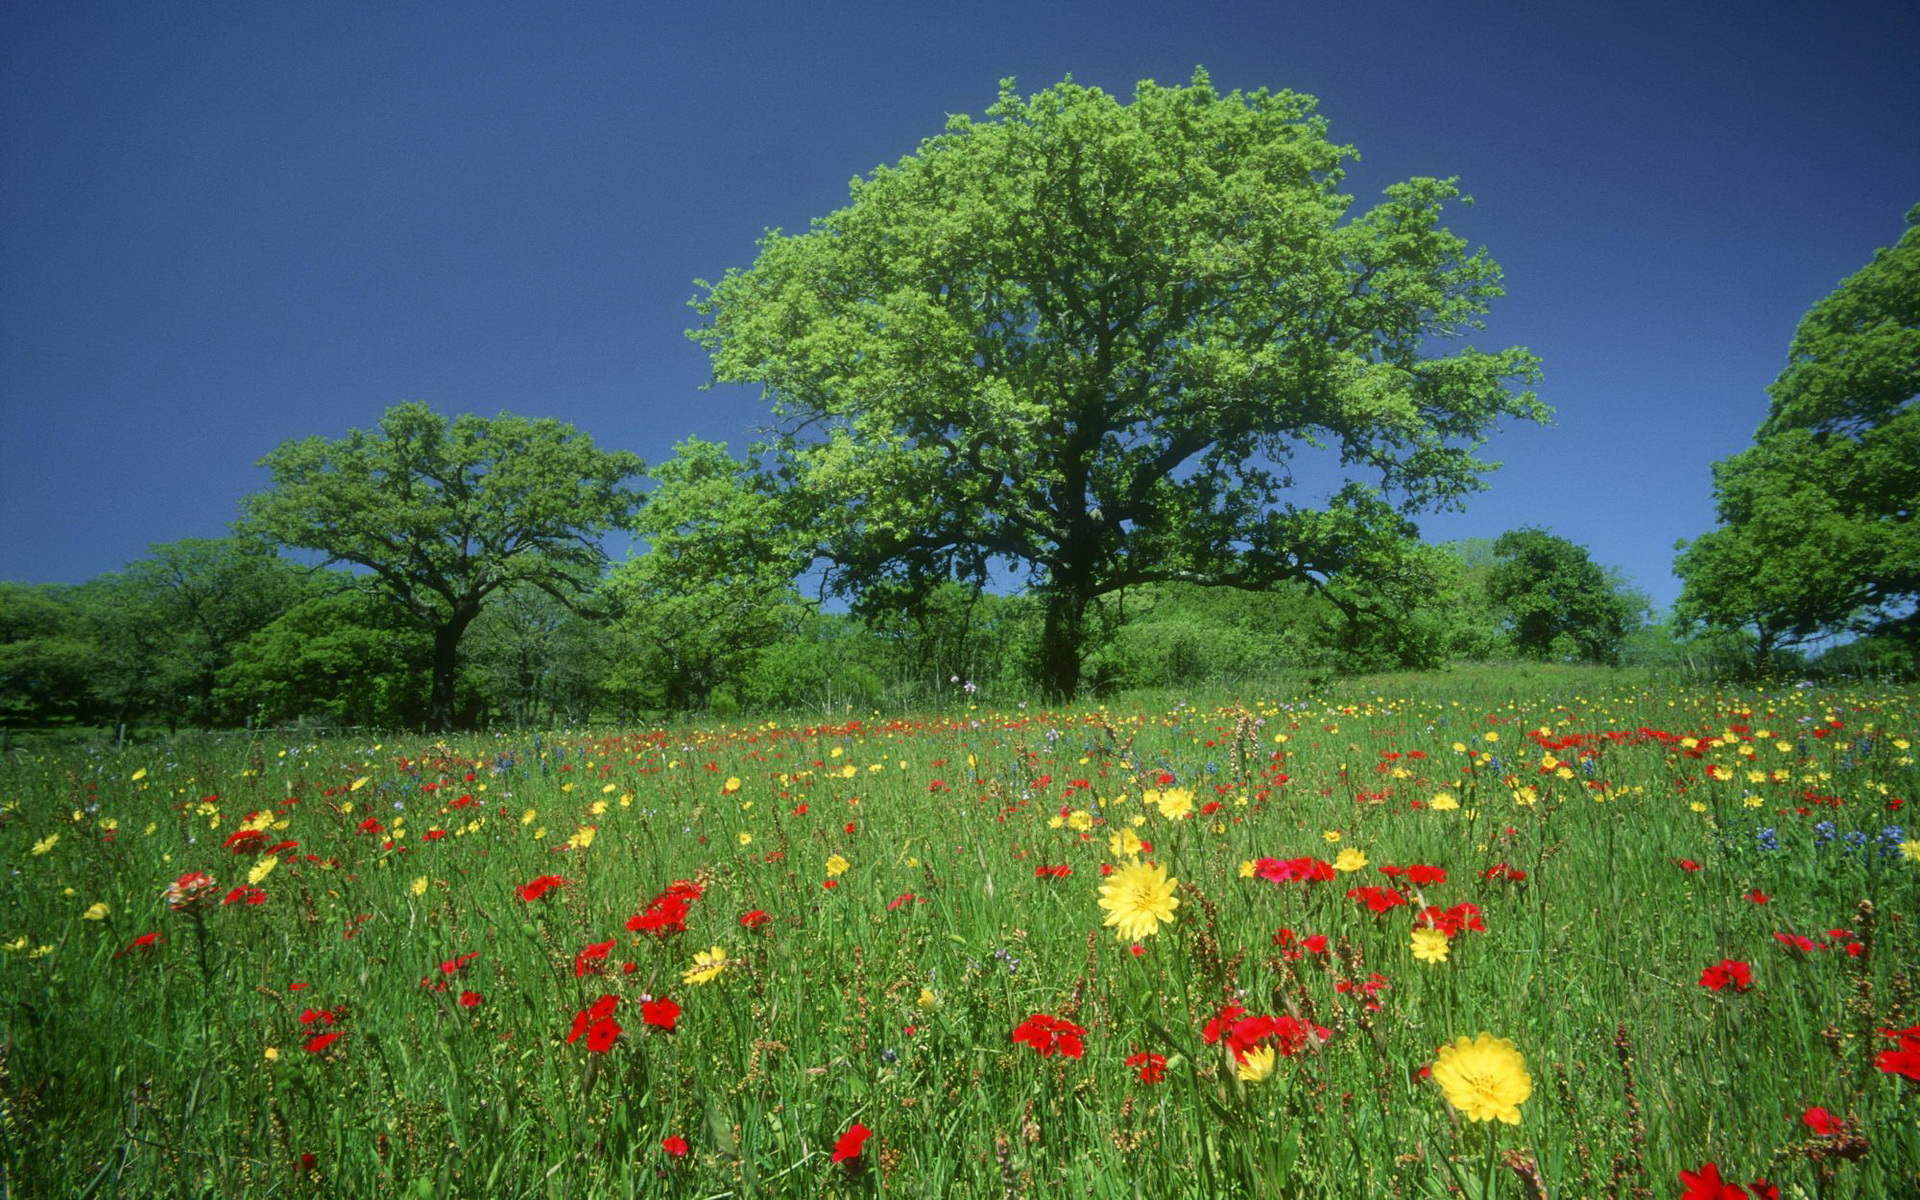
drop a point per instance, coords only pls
(317, 1044)
(540, 886)
(1689, 866)
(590, 958)
(471, 999)
(1706, 1184)
(1152, 1067)
(1905, 1060)
(1377, 899)
(1727, 971)
(604, 1033)
(1758, 896)
(1051, 1035)
(242, 841)
(1059, 872)
(141, 942)
(662, 1013)
(250, 895)
(675, 1146)
(1822, 1122)
(754, 919)
(667, 913)
(1293, 870)
(850, 1143)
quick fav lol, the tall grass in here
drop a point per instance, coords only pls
(889, 1000)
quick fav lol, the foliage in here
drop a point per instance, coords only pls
(48, 661)
(1557, 602)
(1817, 531)
(346, 658)
(715, 585)
(443, 514)
(1083, 342)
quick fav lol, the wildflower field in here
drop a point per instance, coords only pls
(1440, 942)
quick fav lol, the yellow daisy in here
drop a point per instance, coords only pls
(1484, 1079)
(1139, 899)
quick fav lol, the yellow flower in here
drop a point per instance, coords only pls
(137, 776)
(419, 886)
(95, 912)
(1257, 1065)
(1485, 1079)
(1081, 820)
(731, 786)
(744, 837)
(1526, 797)
(1125, 844)
(1443, 802)
(16, 945)
(273, 1054)
(1349, 859)
(1173, 803)
(1331, 837)
(929, 999)
(1910, 849)
(262, 869)
(528, 817)
(582, 837)
(1430, 945)
(359, 783)
(1246, 868)
(837, 865)
(707, 965)
(46, 843)
(1139, 899)
(1752, 801)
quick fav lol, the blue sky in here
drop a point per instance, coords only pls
(227, 225)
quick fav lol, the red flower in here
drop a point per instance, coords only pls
(675, 1146)
(539, 887)
(1820, 1121)
(317, 1044)
(1727, 971)
(1059, 872)
(668, 911)
(604, 1033)
(1152, 1067)
(1377, 899)
(1051, 1035)
(848, 1147)
(1758, 896)
(1706, 1184)
(754, 919)
(470, 999)
(1293, 870)
(141, 942)
(588, 959)
(662, 1013)
(1689, 866)
(1797, 941)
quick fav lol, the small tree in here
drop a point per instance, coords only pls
(1556, 601)
(442, 515)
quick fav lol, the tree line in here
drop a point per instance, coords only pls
(226, 632)
(1083, 395)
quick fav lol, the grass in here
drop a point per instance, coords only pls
(888, 1000)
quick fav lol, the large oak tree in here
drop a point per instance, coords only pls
(1084, 341)
(443, 514)
(1817, 531)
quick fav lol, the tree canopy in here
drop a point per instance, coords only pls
(1555, 600)
(1817, 531)
(1084, 342)
(443, 514)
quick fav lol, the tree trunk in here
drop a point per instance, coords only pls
(446, 668)
(1062, 642)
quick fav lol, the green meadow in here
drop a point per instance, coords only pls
(870, 955)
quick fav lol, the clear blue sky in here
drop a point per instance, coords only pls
(223, 225)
